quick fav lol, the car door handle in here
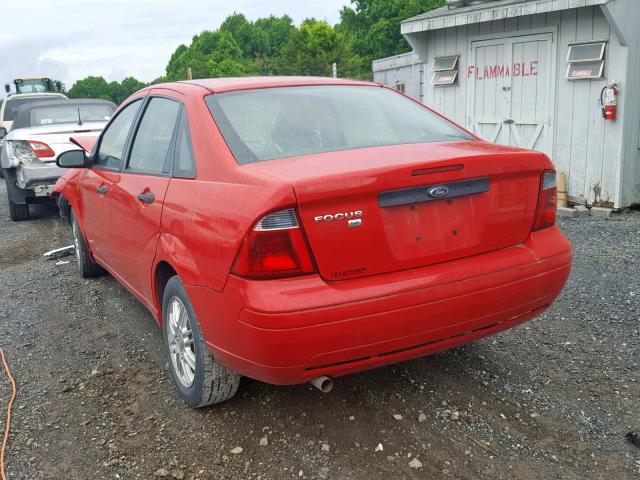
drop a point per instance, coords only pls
(102, 189)
(146, 197)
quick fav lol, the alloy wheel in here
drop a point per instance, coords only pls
(181, 347)
(76, 239)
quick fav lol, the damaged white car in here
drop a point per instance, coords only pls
(41, 132)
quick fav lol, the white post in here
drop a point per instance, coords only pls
(335, 70)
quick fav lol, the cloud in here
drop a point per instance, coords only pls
(26, 58)
(121, 38)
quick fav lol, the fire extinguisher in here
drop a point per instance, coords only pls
(609, 101)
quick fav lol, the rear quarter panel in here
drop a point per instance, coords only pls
(205, 220)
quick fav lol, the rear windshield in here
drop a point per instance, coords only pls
(13, 104)
(282, 122)
(70, 114)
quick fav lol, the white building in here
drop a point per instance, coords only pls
(530, 73)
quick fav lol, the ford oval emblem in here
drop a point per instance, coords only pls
(439, 191)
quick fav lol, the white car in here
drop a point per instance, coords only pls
(10, 106)
(40, 133)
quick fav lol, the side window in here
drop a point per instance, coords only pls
(183, 164)
(115, 136)
(150, 150)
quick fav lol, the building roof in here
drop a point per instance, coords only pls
(396, 61)
(488, 11)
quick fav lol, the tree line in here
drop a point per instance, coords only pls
(276, 46)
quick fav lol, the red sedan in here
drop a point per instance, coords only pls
(297, 229)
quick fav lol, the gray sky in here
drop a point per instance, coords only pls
(73, 39)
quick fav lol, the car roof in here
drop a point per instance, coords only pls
(23, 114)
(218, 85)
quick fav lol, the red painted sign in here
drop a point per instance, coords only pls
(586, 72)
(523, 69)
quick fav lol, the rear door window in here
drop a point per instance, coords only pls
(151, 146)
(115, 136)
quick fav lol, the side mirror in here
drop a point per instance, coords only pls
(7, 88)
(3, 132)
(72, 159)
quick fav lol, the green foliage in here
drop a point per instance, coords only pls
(372, 27)
(239, 47)
(313, 49)
(97, 87)
(90, 87)
(275, 46)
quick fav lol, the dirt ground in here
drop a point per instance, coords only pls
(550, 399)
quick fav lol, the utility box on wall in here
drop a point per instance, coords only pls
(534, 74)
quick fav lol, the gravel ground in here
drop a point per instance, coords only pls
(550, 399)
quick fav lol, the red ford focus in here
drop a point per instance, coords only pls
(297, 229)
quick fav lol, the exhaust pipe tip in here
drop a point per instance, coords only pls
(324, 384)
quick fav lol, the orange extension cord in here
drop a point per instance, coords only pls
(7, 428)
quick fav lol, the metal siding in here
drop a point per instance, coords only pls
(580, 115)
(587, 148)
(600, 166)
(564, 95)
(439, 94)
(450, 48)
(626, 16)
(460, 113)
(406, 69)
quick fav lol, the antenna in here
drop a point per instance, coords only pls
(79, 117)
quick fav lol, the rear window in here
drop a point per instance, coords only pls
(13, 104)
(272, 123)
(70, 114)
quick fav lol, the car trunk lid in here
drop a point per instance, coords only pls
(383, 209)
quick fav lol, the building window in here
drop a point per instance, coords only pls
(400, 87)
(586, 60)
(445, 70)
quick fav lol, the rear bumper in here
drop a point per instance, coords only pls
(38, 177)
(290, 331)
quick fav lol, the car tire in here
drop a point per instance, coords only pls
(87, 267)
(18, 212)
(200, 379)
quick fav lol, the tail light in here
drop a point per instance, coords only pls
(276, 247)
(41, 149)
(547, 201)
